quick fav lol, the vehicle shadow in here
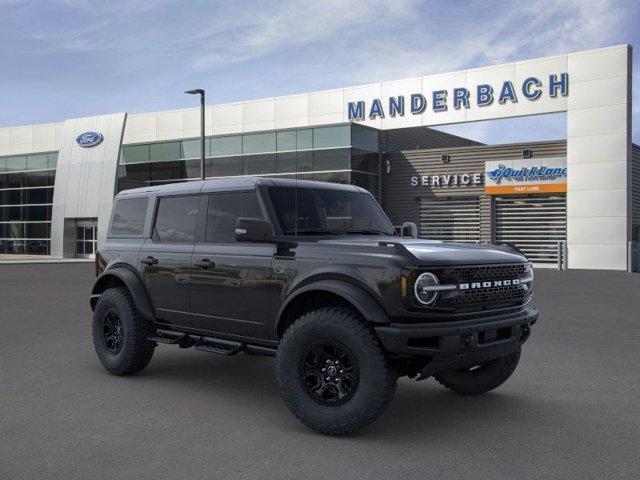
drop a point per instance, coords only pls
(418, 409)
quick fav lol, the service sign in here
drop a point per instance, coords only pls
(523, 176)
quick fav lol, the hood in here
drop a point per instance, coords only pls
(435, 252)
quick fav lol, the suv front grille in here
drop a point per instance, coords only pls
(484, 298)
(487, 272)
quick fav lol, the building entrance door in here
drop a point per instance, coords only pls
(86, 238)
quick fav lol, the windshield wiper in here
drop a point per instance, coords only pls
(367, 232)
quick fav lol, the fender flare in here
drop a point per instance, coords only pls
(364, 302)
(133, 283)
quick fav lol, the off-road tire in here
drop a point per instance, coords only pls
(377, 376)
(136, 350)
(485, 378)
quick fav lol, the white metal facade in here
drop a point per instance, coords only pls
(598, 110)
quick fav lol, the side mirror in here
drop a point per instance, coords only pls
(253, 230)
(409, 229)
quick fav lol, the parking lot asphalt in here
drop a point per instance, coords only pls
(571, 410)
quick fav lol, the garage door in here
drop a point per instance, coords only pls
(534, 224)
(452, 219)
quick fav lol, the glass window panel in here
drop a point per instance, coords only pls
(364, 161)
(135, 154)
(37, 247)
(15, 230)
(38, 213)
(3, 165)
(304, 139)
(366, 181)
(140, 172)
(192, 168)
(336, 177)
(163, 152)
(223, 146)
(80, 248)
(286, 162)
(305, 161)
(224, 210)
(175, 170)
(129, 215)
(224, 166)
(38, 230)
(364, 138)
(191, 148)
(286, 141)
(79, 233)
(260, 164)
(39, 179)
(16, 164)
(176, 220)
(36, 195)
(17, 247)
(338, 159)
(38, 162)
(327, 137)
(12, 197)
(52, 160)
(8, 214)
(259, 143)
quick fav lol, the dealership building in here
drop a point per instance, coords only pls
(573, 202)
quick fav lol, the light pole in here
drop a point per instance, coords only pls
(200, 91)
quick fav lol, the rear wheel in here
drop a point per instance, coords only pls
(120, 334)
(332, 372)
(480, 378)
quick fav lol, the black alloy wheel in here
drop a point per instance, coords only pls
(112, 332)
(329, 372)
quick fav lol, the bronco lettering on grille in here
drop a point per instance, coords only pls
(488, 284)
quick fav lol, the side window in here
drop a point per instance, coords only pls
(176, 219)
(224, 210)
(129, 215)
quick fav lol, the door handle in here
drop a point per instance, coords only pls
(149, 260)
(205, 264)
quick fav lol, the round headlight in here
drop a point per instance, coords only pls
(422, 289)
(528, 277)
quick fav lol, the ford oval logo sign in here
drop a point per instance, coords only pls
(89, 139)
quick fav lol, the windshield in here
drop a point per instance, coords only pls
(308, 211)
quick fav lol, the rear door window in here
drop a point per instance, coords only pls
(176, 219)
(129, 215)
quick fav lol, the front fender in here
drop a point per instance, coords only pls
(133, 283)
(363, 301)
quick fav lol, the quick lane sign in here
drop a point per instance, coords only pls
(482, 95)
(543, 175)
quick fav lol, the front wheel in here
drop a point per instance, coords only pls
(120, 334)
(480, 378)
(332, 372)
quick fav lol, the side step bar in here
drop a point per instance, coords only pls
(220, 346)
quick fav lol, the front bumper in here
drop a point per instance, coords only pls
(447, 346)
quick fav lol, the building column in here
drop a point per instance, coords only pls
(599, 158)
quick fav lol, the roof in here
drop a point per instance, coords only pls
(233, 184)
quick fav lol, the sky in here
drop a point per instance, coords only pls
(74, 58)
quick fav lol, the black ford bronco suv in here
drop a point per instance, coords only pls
(314, 274)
